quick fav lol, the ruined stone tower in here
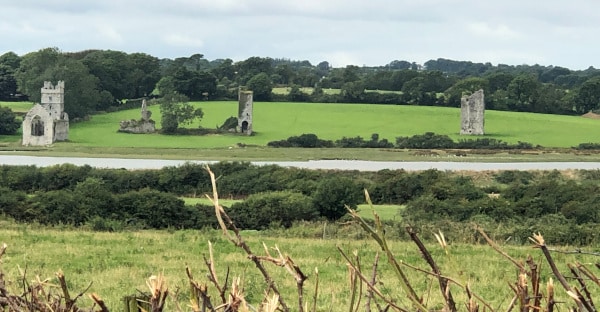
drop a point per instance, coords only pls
(472, 110)
(245, 112)
(47, 122)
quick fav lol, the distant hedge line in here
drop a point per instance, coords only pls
(111, 199)
(428, 140)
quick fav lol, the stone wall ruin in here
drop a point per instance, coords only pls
(47, 122)
(245, 103)
(143, 125)
(472, 110)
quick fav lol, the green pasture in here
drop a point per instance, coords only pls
(17, 107)
(118, 264)
(277, 121)
(385, 212)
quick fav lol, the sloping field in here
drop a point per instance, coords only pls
(277, 121)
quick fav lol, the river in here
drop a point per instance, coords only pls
(360, 165)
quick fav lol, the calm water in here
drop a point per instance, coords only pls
(318, 164)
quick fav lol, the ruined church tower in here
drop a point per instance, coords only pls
(53, 98)
(472, 110)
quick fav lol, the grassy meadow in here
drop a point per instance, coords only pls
(118, 264)
(385, 212)
(278, 121)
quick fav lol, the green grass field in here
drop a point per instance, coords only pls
(278, 121)
(118, 264)
(18, 107)
(385, 212)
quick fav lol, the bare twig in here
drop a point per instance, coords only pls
(496, 248)
(372, 283)
(443, 282)
(212, 276)
(582, 283)
(99, 302)
(377, 235)
(539, 242)
(365, 280)
(199, 293)
(238, 241)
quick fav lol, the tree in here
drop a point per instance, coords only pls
(194, 84)
(81, 88)
(144, 73)
(262, 86)
(467, 85)
(588, 96)
(9, 63)
(334, 194)
(353, 91)
(523, 92)
(8, 121)
(176, 110)
(258, 211)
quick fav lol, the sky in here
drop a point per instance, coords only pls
(341, 32)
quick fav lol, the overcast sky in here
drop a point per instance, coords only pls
(358, 32)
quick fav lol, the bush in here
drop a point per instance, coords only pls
(8, 121)
(259, 211)
(333, 195)
(427, 141)
(304, 140)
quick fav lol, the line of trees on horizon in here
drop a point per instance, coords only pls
(100, 80)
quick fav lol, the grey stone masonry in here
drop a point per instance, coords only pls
(144, 125)
(472, 111)
(47, 122)
(245, 111)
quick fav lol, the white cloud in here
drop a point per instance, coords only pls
(501, 31)
(181, 40)
(371, 32)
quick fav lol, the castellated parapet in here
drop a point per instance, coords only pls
(53, 98)
(245, 111)
(472, 110)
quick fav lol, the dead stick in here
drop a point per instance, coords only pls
(100, 302)
(539, 242)
(365, 280)
(372, 283)
(444, 287)
(239, 241)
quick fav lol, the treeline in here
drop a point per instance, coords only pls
(514, 203)
(100, 80)
(428, 140)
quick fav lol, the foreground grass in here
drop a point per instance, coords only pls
(118, 264)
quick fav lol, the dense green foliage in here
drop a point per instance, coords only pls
(428, 140)
(262, 210)
(515, 202)
(176, 110)
(102, 79)
(8, 121)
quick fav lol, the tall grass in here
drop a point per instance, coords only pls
(118, 264)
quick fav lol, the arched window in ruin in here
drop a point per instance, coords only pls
(37, 126)
(244, 126)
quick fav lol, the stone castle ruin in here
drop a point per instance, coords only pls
(245, 112)
(143, 125)
(47, 122)
(472, 110)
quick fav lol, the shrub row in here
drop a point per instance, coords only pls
(429, 140)
(149, 198)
